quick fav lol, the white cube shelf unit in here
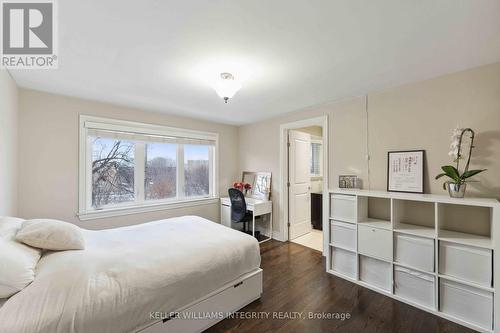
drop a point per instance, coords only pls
(430, 251)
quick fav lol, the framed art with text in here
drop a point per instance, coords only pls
(405, 171)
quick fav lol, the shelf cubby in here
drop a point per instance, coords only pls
(414, 217)
(466, 263)
(343, 262)
(375, 272)
(343, 208)
(466, 303)
(414, 286)
(414, 252)
(469, 225)
(374, 212)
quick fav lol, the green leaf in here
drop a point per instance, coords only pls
(471, 173)
(444, 186)
(451, 172)
(440, 175)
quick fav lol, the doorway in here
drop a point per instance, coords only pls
(304, 178)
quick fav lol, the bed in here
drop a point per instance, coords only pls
(140, 278)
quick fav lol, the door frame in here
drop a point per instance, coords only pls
(283, 201)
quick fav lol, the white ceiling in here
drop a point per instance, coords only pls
(161, 55)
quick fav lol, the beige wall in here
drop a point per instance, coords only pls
(8, 144)
(414, 116)
(48, 159)
(422, 116)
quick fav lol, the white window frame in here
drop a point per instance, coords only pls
(85, 209)
(318, 140)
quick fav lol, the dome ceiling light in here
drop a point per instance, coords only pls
(227, 86)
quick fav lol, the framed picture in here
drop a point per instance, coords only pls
(348, 181)
(405, 171)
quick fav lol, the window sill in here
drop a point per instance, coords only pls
(112, 212)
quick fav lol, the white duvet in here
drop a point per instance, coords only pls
(125, 273)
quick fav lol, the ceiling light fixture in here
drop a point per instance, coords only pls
(227, 86)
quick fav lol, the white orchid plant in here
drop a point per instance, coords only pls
(453, 172)
(455, 143)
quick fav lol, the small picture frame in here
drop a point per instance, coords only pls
(405, 171)
(348, 181)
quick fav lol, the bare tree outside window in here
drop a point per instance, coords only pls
(196, 170)
(112, 171)
(160, 181)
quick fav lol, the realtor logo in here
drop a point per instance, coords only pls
(28, 35)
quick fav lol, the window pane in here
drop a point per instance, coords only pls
(196, 170)
(112, 171)
(315, 154)
(160, 181)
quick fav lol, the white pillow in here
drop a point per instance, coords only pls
(17, 261)
(51, 235)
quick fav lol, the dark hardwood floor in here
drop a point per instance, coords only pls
(295, 281)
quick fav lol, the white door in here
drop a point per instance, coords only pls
(299, 189)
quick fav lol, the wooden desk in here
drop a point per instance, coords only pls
(257, 207)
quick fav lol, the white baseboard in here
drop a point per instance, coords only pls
(278, 235)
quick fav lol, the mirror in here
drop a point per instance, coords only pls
(261, 184)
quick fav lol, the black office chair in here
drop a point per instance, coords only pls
(239, 213)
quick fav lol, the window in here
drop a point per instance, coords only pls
(196, 170)
(316, 167)
(131, 167)
(112, 171)
(160, 181)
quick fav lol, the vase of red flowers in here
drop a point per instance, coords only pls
(247, 187)
(243, 187)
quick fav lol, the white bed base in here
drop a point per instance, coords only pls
(227, 299)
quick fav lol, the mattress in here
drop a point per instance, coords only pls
(124, 274)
